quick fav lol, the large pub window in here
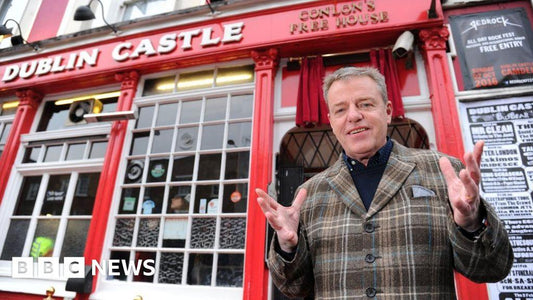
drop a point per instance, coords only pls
(184, 193)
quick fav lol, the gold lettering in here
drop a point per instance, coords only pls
(324, 12)
(384, 16)
(304, 15)
(370, 5)
(293, 28)
(324, 24)
(357, 6)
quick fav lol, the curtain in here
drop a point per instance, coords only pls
(382, 60)
(311, 109)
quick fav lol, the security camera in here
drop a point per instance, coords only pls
(404, 44)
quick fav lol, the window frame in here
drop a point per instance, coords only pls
(114, 288)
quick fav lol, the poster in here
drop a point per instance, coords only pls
(495, 48)
(506, 126)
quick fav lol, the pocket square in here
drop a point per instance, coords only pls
(420, 191)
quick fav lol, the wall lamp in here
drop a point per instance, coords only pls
(84, 13)
(15, 39)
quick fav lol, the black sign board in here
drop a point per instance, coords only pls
(494, 48)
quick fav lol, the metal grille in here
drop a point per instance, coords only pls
(317, 148)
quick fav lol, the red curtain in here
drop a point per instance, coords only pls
(311, 109)
(383, 61)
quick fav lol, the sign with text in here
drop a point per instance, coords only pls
(495, 48)
(506, 126)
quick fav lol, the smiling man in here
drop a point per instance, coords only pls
(385, 221)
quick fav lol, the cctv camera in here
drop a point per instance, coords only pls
(404, 44)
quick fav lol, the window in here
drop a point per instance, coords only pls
(134, 9)
(4, 8)
(7, 114)
(183, 200)
(65, 113)
(51, 216)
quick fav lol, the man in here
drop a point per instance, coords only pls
(385, 221)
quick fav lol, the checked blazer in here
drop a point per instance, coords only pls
(405, 246)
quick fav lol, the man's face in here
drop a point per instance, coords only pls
(358, 116)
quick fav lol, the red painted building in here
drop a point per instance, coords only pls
(142, 140)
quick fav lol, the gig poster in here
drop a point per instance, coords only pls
(495, 48)
(506, 126)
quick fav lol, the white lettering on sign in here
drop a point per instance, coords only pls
(45, 66)
(169, 42)
(125, 51)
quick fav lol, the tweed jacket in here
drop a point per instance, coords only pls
(405, 246)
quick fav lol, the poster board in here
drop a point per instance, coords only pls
(506, 126)
(495, 48)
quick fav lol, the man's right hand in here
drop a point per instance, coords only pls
(283, 219)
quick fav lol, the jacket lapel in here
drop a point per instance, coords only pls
(341, 182)
(394, 176)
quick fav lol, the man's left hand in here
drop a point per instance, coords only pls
(463, 190)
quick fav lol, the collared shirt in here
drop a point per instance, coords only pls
(366, 178)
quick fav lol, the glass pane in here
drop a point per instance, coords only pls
(196, 80)
(199, 271)
(134, 171)
(162, 141)
(148, 232)
(239, 135)
(15, 238)
(175, 233)
(230, 269)
(145, 117)
(31, 154)
(187, 138)
(166, 114)
(5, 133)
(44, 238)
(121, 256)
(75, 151)
(206, 199)
(180, 197)
(98, 149)
(203, 233)
(215, 109)
(153, 200)
(212, 137)
(28, 195)
(55, 195)
(183, 168)
(241, 106)
(158, 86)
(171, 268)
(53, 153)
(235, 199)
(209, 166)
(232, 233)
(190, 111)
(128, 202)
(139, 144)
(145, 274)
(235, 75)
(83, 201)
(75, 238)
(157, 170)
(237, 165)
(123, 232)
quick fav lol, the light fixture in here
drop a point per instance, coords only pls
(10, 104)
(85, 97)
(15, 39)
(84, 13)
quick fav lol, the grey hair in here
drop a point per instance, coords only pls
(349, 72)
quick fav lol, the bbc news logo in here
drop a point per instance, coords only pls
(74, 267)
